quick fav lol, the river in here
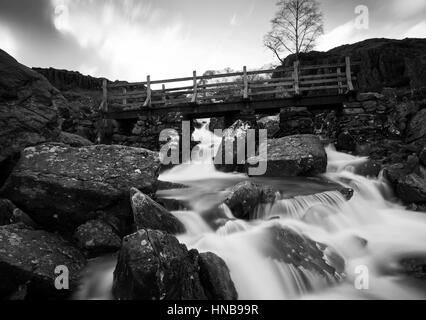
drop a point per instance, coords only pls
(372, 232)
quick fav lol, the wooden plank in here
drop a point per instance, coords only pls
(324, 66)
(339, 80)
(269, 92)
(296, 77)
(318, 76)
(245, 80)
(305, 82)
(349, 74)
(268, 85)
(148, 92)
(321, 88)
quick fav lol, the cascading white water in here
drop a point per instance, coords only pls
(369, 231)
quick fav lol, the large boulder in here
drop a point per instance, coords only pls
(214, 275)
(6, 211)
(244, 198)
(28, 260)
(291, 247)
(28, 108)
(408, 180)
(299, 155)
(96, 237)
(148, 214)
(416, 129)
(153, 265)
(74, 140)
(62, 187)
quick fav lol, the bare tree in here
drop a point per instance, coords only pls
(296, 26)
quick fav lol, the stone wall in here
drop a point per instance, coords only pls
(145, 131)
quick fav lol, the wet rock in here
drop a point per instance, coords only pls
(370, 168)
(271, 123)
(97, 237)
(408, 181)
(300, 155)
(291, 247)
(215, 278)
(414, 267)
(28, 108)
(416, 128)
(423, 156)
(6, 211)
(365, 96)
(61, 187)
(346, 142)
(246, 196)
(296, 120)
(347, 193)
(153, 265)
(20, 216)
(28, 258)
(74, 140)
(148, 214)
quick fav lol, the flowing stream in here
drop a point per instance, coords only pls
(371, 231)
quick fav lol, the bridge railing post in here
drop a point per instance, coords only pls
(245, 80)
(194, 95)
(339, 80)
(296, 77)
(104, 95)
(163, 89)
(349, 74)
(148, 92)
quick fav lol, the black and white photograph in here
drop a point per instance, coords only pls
(210, 156)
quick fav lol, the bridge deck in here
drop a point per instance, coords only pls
(210, 95)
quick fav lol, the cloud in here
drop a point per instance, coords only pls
(417, 31)
(407, 8)
(130, 38)
(7, 43)
(233, 21)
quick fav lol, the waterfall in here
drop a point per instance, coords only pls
(368, 232)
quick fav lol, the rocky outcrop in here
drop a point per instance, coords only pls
(270, 123)
(62, 187)
(408, 180)
(28, 262)
(148, 214)
(153, 265)
(244, 198)
(383, 62)
(97, 237)
(215, 278)
(291, 247)
(28, 109)
(6, 211)
(416, 130)
(74, 140)
(68, 80)
(299, 155)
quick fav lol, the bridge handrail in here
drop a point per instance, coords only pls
(296, 83)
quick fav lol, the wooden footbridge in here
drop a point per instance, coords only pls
(213, 95)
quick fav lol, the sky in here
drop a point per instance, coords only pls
(129, 39)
